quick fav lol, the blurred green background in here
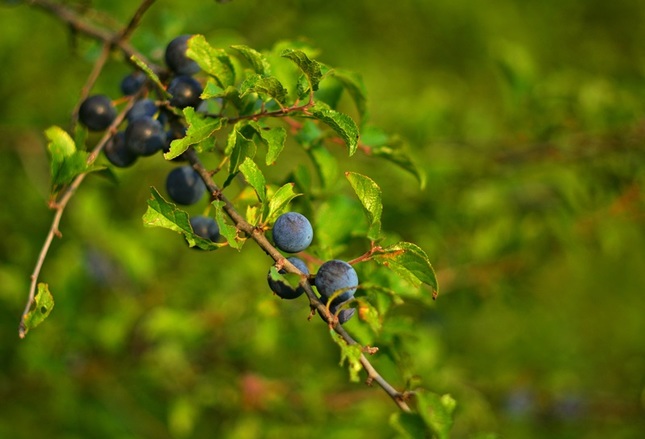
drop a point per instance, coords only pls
(528, 118)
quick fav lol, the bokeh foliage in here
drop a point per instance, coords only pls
(527, 118)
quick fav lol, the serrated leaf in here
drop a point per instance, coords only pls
(257, 61)
(268, 86)
(226, 230)
(279, 201)
(161, 213)
(66, 162)
(354, 85)
(240, 145)
(216, 62)
(350, 354)
(369, 193)
(341, 123)
(150, 74)
(255, 178)
(39, 309)
(309, 67)
(200, 128)
(274, 138)
(437, 412)
(410, 262)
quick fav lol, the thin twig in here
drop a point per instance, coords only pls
(59, 206)
(258, 236)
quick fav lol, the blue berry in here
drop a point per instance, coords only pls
(97, 112)
(292, 232)
(185, 92)
(336, 276)
(185, 186)
(176, 58)
(284, 290)
(145, 136)
(117, 153)
(205, 227)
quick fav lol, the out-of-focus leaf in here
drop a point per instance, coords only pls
(161, 213)
(216, 62)
(325, 163)
(409, 425)
(436, 411)
(309, 67)
(39, 310)
(410, 262)
(255, 178)
(200, 128)
(354, 85)
(341, 123)
(370, 195)
(150, 74)
(257, 61)
(350, 354)
(226, 230)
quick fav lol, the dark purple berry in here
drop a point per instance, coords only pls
(97, 112)
(338, 278)
(145, 136)
(284, 290)
(205, 227)
(132, 83)
(185, 92)
(176, 58)
(117, 153)
(184, 185)
(292, 232)
(142, 108)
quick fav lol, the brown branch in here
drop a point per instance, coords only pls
(59, 205)
(258, 236)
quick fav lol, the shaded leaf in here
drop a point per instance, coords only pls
(150, 74)
(161, 213)
(341, 123)
(369, 193)
(255, 178)
(436, 411)
(200, 128)
(410, 262)
(309, 67)
(226, 230)
(350, 354)
(240, 146)
(39, 310)
(354, 85)
(216, 62)
(409, 425)
(325, 163)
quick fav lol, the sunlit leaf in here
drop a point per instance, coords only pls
(66, 162)
(200, 128)
(350, 354)
(39, 310)
(410, 262)
(255, 178)
(257, 61)
(150, 74)
(309, 67)
(280, 200)
(216, 62)
(268, 86)
(226, 230)
(369, 193)
(161, 213)
(341, 123)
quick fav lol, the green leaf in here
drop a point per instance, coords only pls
(257, 61)
(66, 161)
(410, 262)
(436, 411)
(341, 123)
(279, 201)
(39, 310)
(351, 354)
(325, 163)
(150, 74)
(265, 86)
(200, 128)
(240, 146)
(309, 67)
(161, 213)
(226, 230)
(274, 138)
(215, 62)
(369, 193)
(369, 314)
(255, 178)
(409, 425)
(354, 85)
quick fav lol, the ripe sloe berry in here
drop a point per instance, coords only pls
(145, 136)
(142, 108)
(97, 112)
(132, 83)
(206, 227)
(117, 153)
(184, 186)
(336, 276)
(292, 232)
(283, 289)
(176, 58)
(185, 92)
